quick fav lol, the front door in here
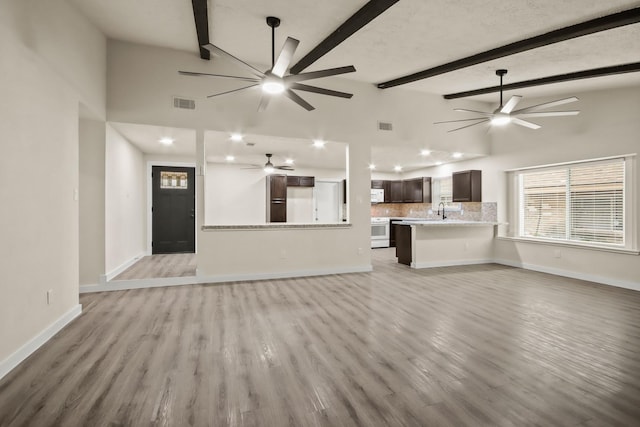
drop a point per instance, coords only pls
(173, 210)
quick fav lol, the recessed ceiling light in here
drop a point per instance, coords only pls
(236, 137)
(318, 143)
(372, 166)
(438, 163)
(229, 158)
(457, 155)
(397, 168)
(288, 161)
(166, 140)
(425, 152)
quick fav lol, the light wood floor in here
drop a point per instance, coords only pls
(159, 266)
(463, 346)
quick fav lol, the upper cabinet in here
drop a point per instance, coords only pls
(467, 186)
(393, 192)
(301, 181)
(416, 190)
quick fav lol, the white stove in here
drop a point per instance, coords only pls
(380, 232)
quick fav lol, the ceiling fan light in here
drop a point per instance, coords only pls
(272, 87)
(268, 168)
(500, 120)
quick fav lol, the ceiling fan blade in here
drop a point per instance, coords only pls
(461, 120)
(284, 168)
(284, 58)
(296, 98)
(320, 90)
(546, 105)
(192, 73)
(464, 110)
(318, 74)
(511, 104)
(550, 113)
(230, 91)
(468, 126)
(524, 123)
(219, 52)
(264, 101)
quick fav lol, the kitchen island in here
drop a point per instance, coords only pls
(438, 243)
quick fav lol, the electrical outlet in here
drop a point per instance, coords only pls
(557, 253)
(359, 251)
(466, 246)
(283, 254)
(49, 296)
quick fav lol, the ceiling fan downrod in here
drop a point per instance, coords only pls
(501, 72)
(273, 22)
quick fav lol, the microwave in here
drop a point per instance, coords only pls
(377, 195)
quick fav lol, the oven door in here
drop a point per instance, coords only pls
(379, 234)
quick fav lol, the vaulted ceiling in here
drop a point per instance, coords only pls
(410, 36)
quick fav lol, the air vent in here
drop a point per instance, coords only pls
(250, 144)
(187, 104)
(385, 126)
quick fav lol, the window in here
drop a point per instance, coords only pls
(579, 203)
(443, 192)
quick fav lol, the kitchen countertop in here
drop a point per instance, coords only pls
(277, 226)
(446, 222)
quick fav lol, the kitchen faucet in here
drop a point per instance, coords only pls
(443, 215)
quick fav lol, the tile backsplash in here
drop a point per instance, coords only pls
(485, 211)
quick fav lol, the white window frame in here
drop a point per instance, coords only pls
(436, 194)
(629, 202)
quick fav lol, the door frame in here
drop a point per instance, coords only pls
(333, 181)
(150, 165)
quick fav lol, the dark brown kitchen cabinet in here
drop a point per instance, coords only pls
(467, 186)
(377, 184)
(301, 181)
(344, 191)
(403, 244)
(416, 190)
(277, 198)
(393, 192)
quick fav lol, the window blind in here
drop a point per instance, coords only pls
(580, 202)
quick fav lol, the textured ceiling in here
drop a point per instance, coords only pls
(411, 36)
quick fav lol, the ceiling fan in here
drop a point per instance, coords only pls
(505, 113)
(270, 167)
(274, 81)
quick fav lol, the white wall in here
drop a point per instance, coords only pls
(92, 201)
(234, 195)
(39, 104)
(124, 201)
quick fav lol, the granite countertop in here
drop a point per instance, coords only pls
(446, 222)
(277, 226)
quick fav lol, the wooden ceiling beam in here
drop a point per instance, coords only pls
(362, 17)
(627, 17)
(586, 74)
(201, 16)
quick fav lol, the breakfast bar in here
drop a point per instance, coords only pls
(439, 243)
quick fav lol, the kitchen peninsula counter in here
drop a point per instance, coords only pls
(438, 243)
